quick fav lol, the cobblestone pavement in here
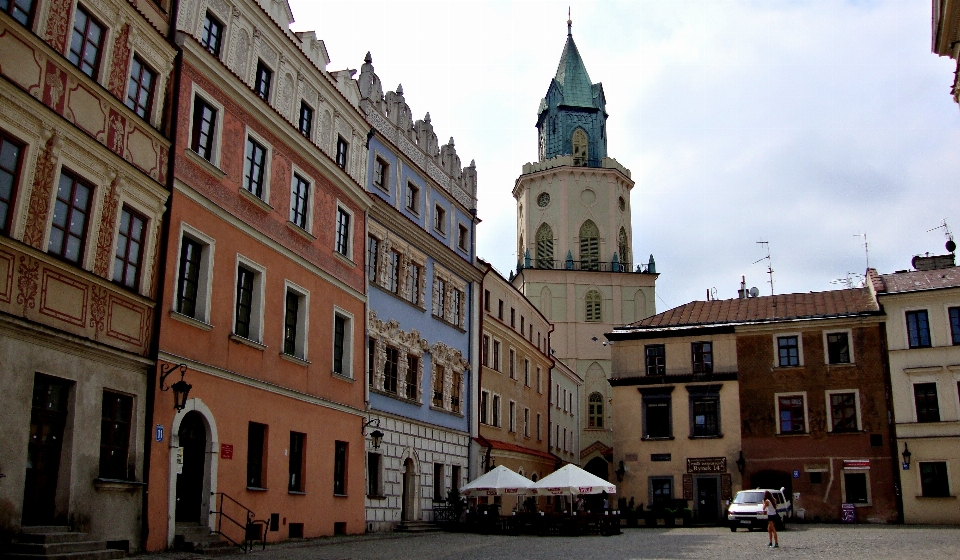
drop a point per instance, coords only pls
(833, 542)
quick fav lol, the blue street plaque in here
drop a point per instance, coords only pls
(796, 474)
(159, 432)
(906, 466)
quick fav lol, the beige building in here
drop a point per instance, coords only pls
(515, 389)
(575, 242)
(677, 407)
(946, 36)
(565, 390)
(923, 340)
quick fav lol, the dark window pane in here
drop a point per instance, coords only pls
(856, 487)
(702, 357)
(955, 325)
(291, 318)
(390, 368)
(10, 162)
(295, 482)
(254, 167)
(306, 119)
(262, 84)
(204, 128)
(656, 359)
(20, 10)
(86, 43)
(299, 197)
(69, 228)
(140, 88)
(115, 435)
(843, 412)
(933, 479)
(789, 352)
(127, 260)
(340, 468)
(925, 397)
(918, 329)
(339, 334)
(792, 414)
(838, 348)
(212, 34)
(188, 290)
(256, 438)
(244, 297)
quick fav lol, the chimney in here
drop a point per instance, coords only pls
(932, 262)
(743, 293)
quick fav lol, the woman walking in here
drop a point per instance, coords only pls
(770, 508)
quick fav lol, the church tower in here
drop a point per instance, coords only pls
(575, 242)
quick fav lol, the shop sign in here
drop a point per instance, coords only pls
(848, 513)
(857, 464)
(707, 465)
(660, 457)
(226, 451)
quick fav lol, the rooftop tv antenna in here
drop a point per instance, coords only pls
(866, 248)
(950, 245)
(769, 263)
(853, 280)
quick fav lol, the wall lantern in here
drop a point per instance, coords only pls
(741, 463)
(180, 389)
(620, 472)
(376, 436)
(906, 455)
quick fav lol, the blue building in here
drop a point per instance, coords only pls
(422, 310)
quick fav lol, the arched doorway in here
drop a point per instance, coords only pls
(193, 440)
(597, 466)
(408, 505)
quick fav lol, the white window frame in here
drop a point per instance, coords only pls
(442, 223)
(218, 126)
(204, 281)
(526, 372)
(485, 417)
(256, 305)
(843, 484)
(497, 357)
(827, 395)
(347, 342)
(267, 164)
(512, 353)
(826, 348)
(776, 348)
(913, 395)
(377, 159)
(526, 422)
(311, 191)
(341, 207)
(512, 408)
(463, 241)
(303, 320)
(806, 410)
(496, 419)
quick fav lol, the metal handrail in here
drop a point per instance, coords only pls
(588, 265)
(246, 544)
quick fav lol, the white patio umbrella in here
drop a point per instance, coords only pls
(498, 482)
(572, 480)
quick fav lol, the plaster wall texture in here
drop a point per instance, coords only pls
(939, 364)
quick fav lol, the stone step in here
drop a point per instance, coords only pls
(32, 529)
(50, 538)
(106, 554)
(416, 527)
(47, 549)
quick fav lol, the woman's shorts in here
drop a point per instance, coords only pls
(773, 517)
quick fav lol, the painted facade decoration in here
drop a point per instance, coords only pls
(575, 242)
(422, 325)
(83, 189)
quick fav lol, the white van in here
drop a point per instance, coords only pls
(746, 510)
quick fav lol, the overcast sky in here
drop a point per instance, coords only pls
(798, 123)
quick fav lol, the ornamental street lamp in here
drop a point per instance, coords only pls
(906, 455)
(181, 389)
(376, 436)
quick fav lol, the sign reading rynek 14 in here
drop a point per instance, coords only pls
(707, 465)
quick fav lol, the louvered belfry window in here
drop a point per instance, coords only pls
(593, 306)
(624, 248)
(580, 149)
(589, 246)
(545, 247)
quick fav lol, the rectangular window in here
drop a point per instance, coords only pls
(933, 479)
(371, 359)
(413, 370)
(306, 119)
(843, 412)
(254, 168)
(484, 404)
(380, 174)
(513, 318)
(918, 329)
(705, 415)
(343, 232)
(129, 255)
(373, 258)
(204, 128)
(855, 485)
(788, 351)
(341, 345)
(294, 325)
(299, 201)
(455, 304)
(496, 355)
(413, 198)
(656, 359)
(539, 380)
(485, 351)
(10, 163)
(393, 272)
(661, 489)
(140, 88)
(438, 482)
(390, 370)
(20, 10)
(953, 311)
(68, 234)
(256, 443)
(295, 482)
(244, 305)
(439, 298)
(512, 418)
(455, 382)
(486, 300)
(526, 422)
(523, 325)
(115, 435)
(928, 406)
(657, 420)
(495, 409)
(539, 426)
(500, 309)
(189, 289)
(261, 85)
(463, 238)
(212, 36)
(455, 476)
(526, 372)
(342, 152)
(373, 474)
(792, 413)
(702, 357)
(439, 219)
(437, 384)
(838, 348)
(512, 364)
(340, 468)
(414, 274)
(86, 44)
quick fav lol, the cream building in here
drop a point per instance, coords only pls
(923, 340)
(575, 242)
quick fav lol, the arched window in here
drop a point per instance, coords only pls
(520, 248)
(545, 246)
(589, 246)
(546, 303)
(595, 413)
(580, 150)
(624, 249)
(593, 307)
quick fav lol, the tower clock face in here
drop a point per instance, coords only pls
(543, 199)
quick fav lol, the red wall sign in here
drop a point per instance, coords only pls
(226, 451)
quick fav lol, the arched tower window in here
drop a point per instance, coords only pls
(520, 248)
(546, 303)
(581, 152)
(545, 246)
(593, 306)
(595, 411)
(624, 248)
(589, 246)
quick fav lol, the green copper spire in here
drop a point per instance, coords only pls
(575, 84)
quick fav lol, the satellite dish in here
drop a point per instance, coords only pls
(951, 246)
(754, 292)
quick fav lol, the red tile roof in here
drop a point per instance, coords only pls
(513, 447)
(918, 280)
(785, 307)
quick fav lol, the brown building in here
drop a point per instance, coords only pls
(83, 172)
(813, 397)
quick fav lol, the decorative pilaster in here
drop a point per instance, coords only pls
(40, 194)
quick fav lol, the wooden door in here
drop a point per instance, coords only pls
(48, 418)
